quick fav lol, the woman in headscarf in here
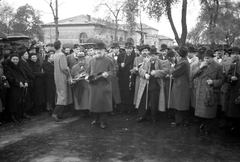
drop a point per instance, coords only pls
(38, 95)
(18, 82)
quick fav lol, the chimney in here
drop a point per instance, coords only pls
(88, 18)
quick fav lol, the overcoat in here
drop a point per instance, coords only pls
(114, 81)
(213, 72)
(180, 94)
(14, 75)
(137, 61)
(123, 76)
(61, 77)
(71, 60)
(80, 89)
(49, 83)
(143, 82)
(233, 110)
(1, 89)
(38, 84)
(101, 91)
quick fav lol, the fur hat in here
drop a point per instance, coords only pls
(183, 51)
(14, 55)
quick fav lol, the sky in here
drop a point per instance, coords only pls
(70, 8)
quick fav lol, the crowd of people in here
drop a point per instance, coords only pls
(101, 81)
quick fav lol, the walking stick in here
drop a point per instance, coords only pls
(147, 95)
(169, 91)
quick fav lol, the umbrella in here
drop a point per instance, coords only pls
(17, 36)
(94, 40)
(68, 45)
(2, 35)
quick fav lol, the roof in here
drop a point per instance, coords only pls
(162, 37)
(145, 26)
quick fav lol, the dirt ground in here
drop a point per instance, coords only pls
(124, 140)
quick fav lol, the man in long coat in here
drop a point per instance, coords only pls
(144, 50)
(210, 76)
(151, 88)
(180, 101)
(125, 61)
(100, 70)
(80, 86)
(61, 77)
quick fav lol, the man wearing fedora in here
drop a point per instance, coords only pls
(100, 100)
(151, 88)
(72, 59)
(125, 62)
(163, 51)
(181, 75)
(210, 77)
(144, 51)
(80, 86)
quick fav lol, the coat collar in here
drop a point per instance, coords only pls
(211, 68)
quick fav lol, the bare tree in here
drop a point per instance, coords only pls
(55, 16)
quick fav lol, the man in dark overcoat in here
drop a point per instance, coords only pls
(180, 94)
(100, 69)
(125, 62)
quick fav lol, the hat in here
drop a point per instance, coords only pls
(21, 50)
(81, 55)
(183, 51)
(14, 55)
(145, 46)
(163, 47)
(220, 48)
(209, 53)
(153, 51)
(170, 53)
(192, 49)
(201, 51)
(76, 46)
(115, 45)
(235, 50)
(129, 45)
(100, 45)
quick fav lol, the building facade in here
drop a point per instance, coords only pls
(80, 28)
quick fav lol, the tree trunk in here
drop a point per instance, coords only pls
(116, 31)
(184, 23)
(56, 22)
(169, 15)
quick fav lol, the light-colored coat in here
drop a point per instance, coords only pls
(61, 74)
(214, 72)
(180, 94)
(136, 63)
(143, 82)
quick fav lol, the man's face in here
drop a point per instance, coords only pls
(6, 51)
(220, 53)
(172, 59)
(91, 52)
(129, 50)
(191, 54)
(51, 58)
(208, 59)
(100, 52)
(164, 52)
(145, 52)
(81, 61)
(116, 50)
(67, 50)
(76, 50)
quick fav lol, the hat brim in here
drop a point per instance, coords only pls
(164, 49)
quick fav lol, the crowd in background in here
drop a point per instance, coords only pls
(142, 78)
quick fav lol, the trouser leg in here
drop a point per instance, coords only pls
(142, 107)
(153, 97)
(96, 116)
(58, 110)
(102, 117)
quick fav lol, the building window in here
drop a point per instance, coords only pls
(82, 37)
(130, 40)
